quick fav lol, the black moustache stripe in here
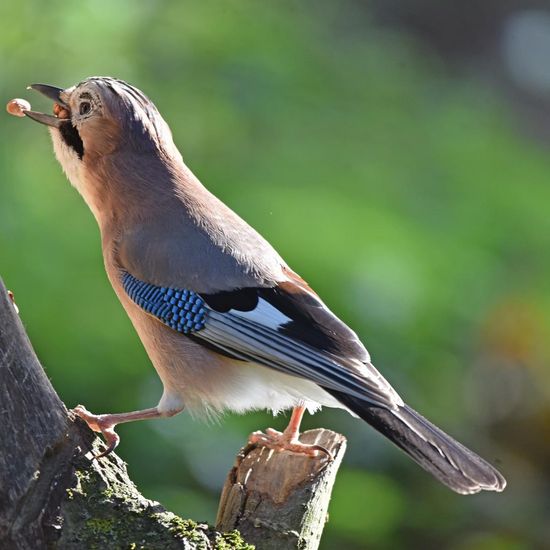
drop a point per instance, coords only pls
(72, 138)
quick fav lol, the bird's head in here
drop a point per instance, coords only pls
(101, 126)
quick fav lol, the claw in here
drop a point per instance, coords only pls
(281, 441)
(98, 423)
(323, 450)
(12, 299)
(112, 439)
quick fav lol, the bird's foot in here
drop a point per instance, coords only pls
(102, 423)
(286, 441)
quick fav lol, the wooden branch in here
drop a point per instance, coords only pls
(52, 494)
(279, 501)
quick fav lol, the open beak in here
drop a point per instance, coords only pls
(48, 120)
(52, 93)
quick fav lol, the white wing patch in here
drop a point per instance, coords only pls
(264, 314)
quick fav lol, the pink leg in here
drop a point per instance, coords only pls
(289, 439)
(105, 423)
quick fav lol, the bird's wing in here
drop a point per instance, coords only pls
(285, 327)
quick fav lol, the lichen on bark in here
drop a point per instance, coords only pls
(102, 508)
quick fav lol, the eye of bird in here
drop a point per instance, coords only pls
(85, 108)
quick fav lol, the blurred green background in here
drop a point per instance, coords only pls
(396, 153)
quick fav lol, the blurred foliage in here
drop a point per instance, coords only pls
(401, 191)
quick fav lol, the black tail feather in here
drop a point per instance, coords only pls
(438, 453)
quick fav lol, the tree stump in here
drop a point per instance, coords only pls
(279, 501)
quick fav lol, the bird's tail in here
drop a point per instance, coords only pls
(438, 453)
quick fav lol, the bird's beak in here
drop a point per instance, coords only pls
(52, 93)
(48, 120)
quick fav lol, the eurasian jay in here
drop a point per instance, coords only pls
(226, 323)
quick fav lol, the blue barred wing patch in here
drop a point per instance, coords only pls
(180, 309)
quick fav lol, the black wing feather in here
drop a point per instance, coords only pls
(311, 322)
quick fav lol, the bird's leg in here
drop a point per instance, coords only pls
(105, 423)
(289, 439)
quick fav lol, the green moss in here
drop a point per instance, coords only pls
(82, 480)
(109, 493)
(184, 528)
(100, 525)
(232, 541)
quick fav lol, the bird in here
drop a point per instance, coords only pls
(227, 324)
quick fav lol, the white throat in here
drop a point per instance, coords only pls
(73, 168)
